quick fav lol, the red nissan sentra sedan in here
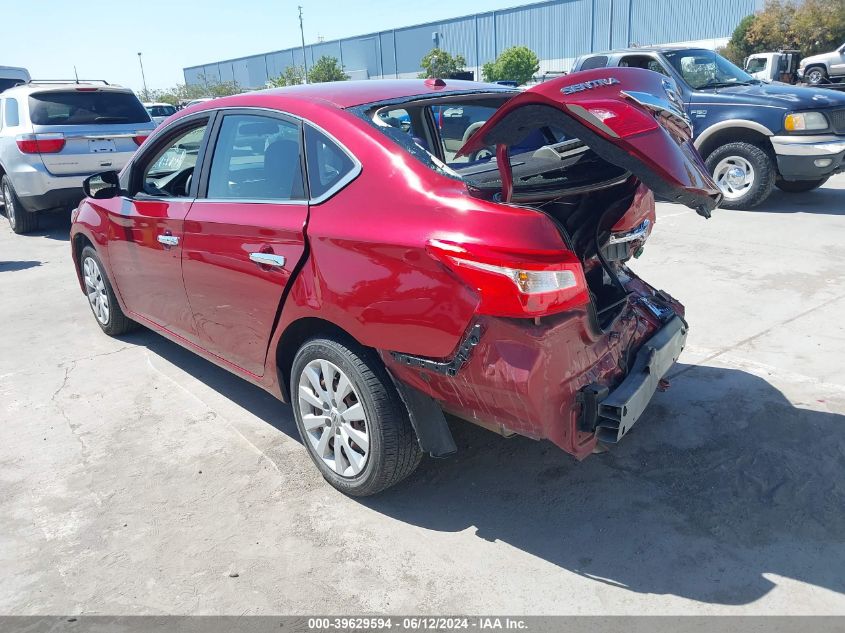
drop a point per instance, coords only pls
(380, 253)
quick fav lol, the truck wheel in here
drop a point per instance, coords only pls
(21, 220)
(352, 421)
(816, 75)
(799, 186)
(744, 172)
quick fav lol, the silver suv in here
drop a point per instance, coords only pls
(54, 134)
(818, 69)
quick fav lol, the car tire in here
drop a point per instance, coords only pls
(816, 75)
(20, 220)
(745, 173)
(101, 297)
(799, 186)
(371, 449)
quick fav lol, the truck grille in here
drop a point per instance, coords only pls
(837, 120)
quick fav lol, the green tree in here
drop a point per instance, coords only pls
(737, 49)
(439, 63)
(292, 76)
(810, 26)
(326, 69)
(518, 63)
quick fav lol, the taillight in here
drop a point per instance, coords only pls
(40, 143)
(516, 283)
(140, 137)
(615, 118)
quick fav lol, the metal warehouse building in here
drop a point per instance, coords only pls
(557, 30)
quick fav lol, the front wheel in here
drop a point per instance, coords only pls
(816, 75)
(799, 186)
(744, 172)
(352, 421)
(101, 297)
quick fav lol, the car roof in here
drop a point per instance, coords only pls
(645, 49)
(149, 104)
(347, 94)
(52, 86)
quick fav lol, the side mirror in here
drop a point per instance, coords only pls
(101, 186)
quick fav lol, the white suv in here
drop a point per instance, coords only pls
(55, 134)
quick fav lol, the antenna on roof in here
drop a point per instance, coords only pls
(75, 74)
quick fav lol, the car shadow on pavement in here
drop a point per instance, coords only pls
(721, 483)
(246, 395)
(822, 201)
(12, 266)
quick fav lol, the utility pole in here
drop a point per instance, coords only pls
(144, 79)
(302, 34)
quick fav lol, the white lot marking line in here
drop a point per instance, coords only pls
(254, 448)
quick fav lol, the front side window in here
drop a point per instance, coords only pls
(88, 107)
(169, 171)
(756, 65)
(328, 164)
(256, 158)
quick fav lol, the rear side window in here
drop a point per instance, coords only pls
(599, 61)
(11, 118)
(86, 108)
(328, 164)
(256, 158)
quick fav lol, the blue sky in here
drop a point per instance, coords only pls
(103, 37)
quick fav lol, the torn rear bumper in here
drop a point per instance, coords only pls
(611, 415)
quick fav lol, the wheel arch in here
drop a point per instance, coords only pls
(292, 338)
(733, 131)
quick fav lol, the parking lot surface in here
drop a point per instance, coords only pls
(137, 478)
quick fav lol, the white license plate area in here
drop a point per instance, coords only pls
(101, 145)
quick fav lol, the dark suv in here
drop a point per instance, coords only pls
(753, 135)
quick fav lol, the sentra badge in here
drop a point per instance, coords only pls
(589, 85)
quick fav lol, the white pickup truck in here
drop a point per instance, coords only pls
(12, 76)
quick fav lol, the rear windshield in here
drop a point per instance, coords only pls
(161, 110)
(86, 108)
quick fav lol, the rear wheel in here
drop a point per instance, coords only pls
(351, 419)
(21, 220)
(799, 186)
(816, 75)
(101, 297)
(744, 172)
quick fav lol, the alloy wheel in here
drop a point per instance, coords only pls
(333, 418)
(8, 202)
(735, 176)
(815, 76)
(95, 288)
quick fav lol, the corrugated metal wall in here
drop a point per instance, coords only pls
(557, 30)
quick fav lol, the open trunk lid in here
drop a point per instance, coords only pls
(629, 117)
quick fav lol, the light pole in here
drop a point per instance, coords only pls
(143, 78)
(302, 34)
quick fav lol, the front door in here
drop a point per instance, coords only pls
(146, 229)
(245, 234)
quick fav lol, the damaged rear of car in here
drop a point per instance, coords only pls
(566, 344)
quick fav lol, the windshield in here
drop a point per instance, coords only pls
(703, 68)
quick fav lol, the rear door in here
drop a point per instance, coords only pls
(101, 127)
(246, 233)
(630, 117)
